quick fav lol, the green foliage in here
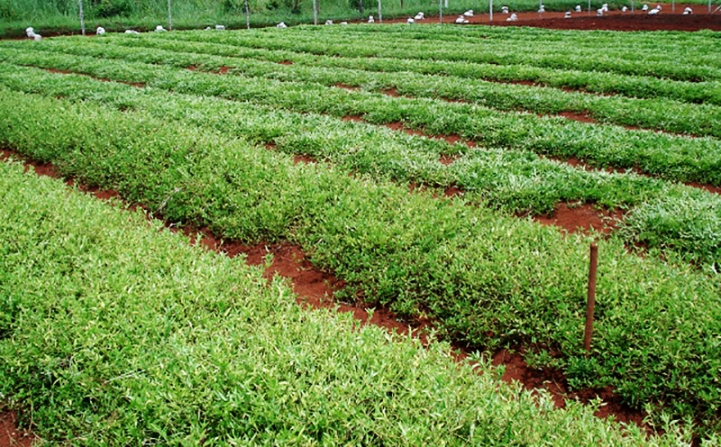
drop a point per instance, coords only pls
(7, 10)
(487, 280)
(112, 8)
(513, 181)
(118, 332)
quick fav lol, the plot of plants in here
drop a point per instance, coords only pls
(202, 129)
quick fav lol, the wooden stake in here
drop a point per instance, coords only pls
(591, 301)
(82, 16)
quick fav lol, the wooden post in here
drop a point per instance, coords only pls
(82, 16)
(591, 300)
(170, 16)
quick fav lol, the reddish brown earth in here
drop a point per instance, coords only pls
(448, 159)
(10, 434)
(613, 21)
(315, 288)
(304, 159)
(581, 218)
(580, 117)
(347, 87)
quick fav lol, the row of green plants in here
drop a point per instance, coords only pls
(115, 332)
(658, 114)
(589, 81)
(671, 157)
(487, 280)
(628, 46)
(515, 181)
(562, 55)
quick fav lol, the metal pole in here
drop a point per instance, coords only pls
(673, 6)
(709, 6)
(440, 12)
(170, 16)
(315, 12)
(591, 299)
(589, 7)
(247, 15)
(490, 10)
(82, 16)
(633, 9)
(380, 14)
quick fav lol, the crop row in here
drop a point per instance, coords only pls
(671, 157)
(638, 46)
(116, 333)
(487, 280)
(512, 181)
(526, 52)
(589, 81)
(659, 114)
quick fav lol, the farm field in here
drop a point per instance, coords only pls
(419, 166)
(154, 341)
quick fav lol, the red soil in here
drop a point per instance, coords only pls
(581, 117)
(448, 159)
(614, 20)
(581, 218)
(304, 159)
(555, 383)
(286, 62)
(10, 434)
(347, 87)
(315, 288)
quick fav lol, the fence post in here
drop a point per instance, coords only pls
(591, 299)
(380, 12)
(247, 15)
(82, 16)
(589, 7)
(315, 12)
(490, 10)
(440, 11)
(170, 16)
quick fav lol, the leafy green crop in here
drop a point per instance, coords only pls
(117, 332)
(487, 280)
